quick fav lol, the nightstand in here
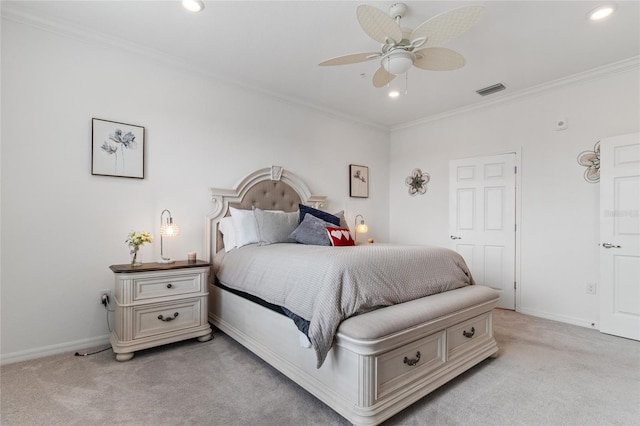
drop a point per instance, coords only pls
(157, 304)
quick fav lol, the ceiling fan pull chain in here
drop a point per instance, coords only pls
(406, 83)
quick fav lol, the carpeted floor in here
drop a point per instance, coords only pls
(546, 373)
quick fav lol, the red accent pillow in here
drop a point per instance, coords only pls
(340, 236)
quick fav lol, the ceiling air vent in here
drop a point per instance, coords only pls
(491, 89)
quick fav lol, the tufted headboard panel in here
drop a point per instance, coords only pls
(268, 189)
(270, 195)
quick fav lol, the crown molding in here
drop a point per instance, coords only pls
(572, 80)
(14, 13)
(10, 11)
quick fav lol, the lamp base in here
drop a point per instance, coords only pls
(165, 261)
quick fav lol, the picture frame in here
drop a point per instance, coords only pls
(117, 149)
(358, 181)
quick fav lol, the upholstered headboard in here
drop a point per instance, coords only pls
(271, 188)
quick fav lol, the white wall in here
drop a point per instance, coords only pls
(63, 227)
(559, 209)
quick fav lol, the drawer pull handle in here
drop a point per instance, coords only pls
(161, 318)
(469, 334)
(412, 362)
(169, 285)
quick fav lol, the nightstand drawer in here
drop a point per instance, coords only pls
(151, 320)
(468, 334)
(166, 285)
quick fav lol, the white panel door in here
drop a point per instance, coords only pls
(482, 214)
(620, 236)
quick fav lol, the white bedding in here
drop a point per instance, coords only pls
(327, 285)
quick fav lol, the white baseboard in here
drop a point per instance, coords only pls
(73, 346)
(41, 352)
(561, 318)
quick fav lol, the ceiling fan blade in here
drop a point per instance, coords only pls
(438, 59)
(378, 25)
(447, 25)
(350, 59)
(382, 77)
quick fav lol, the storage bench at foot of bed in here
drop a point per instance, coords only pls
(381, 362)
(408, 350)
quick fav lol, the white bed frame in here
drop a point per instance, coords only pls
(382, 361)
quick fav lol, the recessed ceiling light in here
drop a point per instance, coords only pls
(601, 12)
(193, 5)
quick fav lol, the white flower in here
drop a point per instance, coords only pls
(136, 239)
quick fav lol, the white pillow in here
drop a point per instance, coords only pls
(244, 225)
(343, 220)
(228, 233)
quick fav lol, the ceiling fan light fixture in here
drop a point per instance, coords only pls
(193, 5)
(394, 94)
(398, 61)
(601, 12)
(399, 51)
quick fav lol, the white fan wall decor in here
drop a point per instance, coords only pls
(403, 48)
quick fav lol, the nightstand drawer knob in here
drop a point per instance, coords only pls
(468, 334)
(169, 285)
(161, 318)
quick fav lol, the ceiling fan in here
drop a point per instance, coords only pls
(403, 48)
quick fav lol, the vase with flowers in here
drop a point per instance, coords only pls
(134, 240)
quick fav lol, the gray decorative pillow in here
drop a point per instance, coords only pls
(275, 227)
(313, 231)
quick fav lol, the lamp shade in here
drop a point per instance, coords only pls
(169, 230)
(361, 228)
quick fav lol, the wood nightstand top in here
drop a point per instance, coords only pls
(153, 266)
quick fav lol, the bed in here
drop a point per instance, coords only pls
(379, 361)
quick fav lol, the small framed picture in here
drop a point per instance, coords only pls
(358, 181)
(117, 149)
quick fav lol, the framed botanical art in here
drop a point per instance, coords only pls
(117, 149)
(358, 181)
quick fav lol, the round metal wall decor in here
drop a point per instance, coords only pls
(417, 182)
(591, 160)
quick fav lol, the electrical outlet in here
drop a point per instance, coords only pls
(591, 288)
(103, 293)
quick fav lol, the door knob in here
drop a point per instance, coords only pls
(607, 245)
(453, 237)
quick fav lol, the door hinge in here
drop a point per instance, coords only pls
(514, 285)
(515, 227)
(515, 170)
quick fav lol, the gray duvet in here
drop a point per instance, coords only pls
(327, 285)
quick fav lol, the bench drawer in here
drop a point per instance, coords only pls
(467, 334)
(398, 368)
